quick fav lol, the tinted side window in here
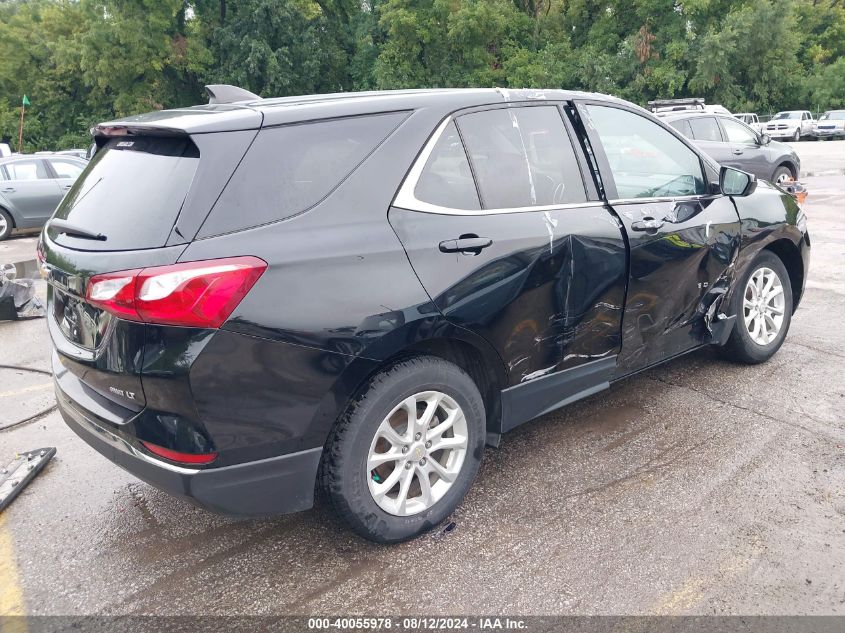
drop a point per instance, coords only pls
(645, 160)
(446, 179)
(522, 157)
(289, 169)
(682, 125)
(737, 132)
(27, 170)
(705, 129)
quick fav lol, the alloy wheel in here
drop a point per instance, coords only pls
(417, 453)
(3, 225)
(763, 306)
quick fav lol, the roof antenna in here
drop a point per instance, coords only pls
(223, 93)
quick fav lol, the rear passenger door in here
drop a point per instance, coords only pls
(510, 243)
(747, 152)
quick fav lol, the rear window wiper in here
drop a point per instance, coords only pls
(67, 228)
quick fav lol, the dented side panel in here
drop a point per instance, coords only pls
(680, 274)
(547, 293)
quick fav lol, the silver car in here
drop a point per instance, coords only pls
(31, 188)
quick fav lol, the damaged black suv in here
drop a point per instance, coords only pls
(255, 299)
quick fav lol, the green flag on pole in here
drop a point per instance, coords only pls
(25, 100)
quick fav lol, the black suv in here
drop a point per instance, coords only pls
(354, 293)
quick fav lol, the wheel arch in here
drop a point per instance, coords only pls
(474, 357)
(790, 255)
(792, 167)
(7, 208)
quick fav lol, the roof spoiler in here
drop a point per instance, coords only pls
(223, 93)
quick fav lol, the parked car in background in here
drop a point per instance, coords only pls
(830, 125)
(731, 142)
(5, 150)
(76, 153)
(31, 188)
(356, 292)
(751, 120)
(792, 125)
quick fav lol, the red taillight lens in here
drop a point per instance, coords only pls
(176, 456)
(193, 294)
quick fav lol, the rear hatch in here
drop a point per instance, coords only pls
(137, 205)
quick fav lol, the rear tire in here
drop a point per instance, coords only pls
(375, 445)
(763, 318)
(6, 224)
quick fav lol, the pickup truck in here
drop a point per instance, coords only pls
(791, 125)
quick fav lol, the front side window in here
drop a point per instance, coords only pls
(27, 170)
(446, 179)
(522, 157)
(738, 133)
(66, 168)
(705, 129)
(646, 161)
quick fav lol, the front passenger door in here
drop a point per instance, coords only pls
(747, 152)
(683, 239)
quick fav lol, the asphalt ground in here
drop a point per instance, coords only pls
(698, 487)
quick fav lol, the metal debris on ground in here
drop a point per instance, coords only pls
(20, 471)
(796, 190)
(17, 296)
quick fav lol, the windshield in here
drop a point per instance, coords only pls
(787, 115)
(131, 192)
(833, 116)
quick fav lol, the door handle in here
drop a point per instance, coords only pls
(647, 224)
(738, 152)
(465, 245)
(8, 190)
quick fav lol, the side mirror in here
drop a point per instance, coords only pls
(734, 182)
(765, 139)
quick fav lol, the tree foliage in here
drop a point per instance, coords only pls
(83, 61)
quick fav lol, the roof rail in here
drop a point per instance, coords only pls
(223, 93)
(690, 103)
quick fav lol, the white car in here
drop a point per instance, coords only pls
(830, 125)
(790, 125)
(751, 120)
(5, 150)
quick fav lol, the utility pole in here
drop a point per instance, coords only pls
(24, 103)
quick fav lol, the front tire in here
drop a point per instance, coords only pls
(6, 225)
(797, 136)
(782, 175)
(404, 454)
(762, 303)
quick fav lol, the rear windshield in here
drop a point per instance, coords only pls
(131, 192)
(290, 169)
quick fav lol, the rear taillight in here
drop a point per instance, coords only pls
(193, 294)
(177, 456)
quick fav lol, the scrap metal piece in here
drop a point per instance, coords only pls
(20, 471)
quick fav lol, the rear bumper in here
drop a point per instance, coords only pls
(278, 485)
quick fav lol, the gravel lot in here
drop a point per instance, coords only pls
(699, 487)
